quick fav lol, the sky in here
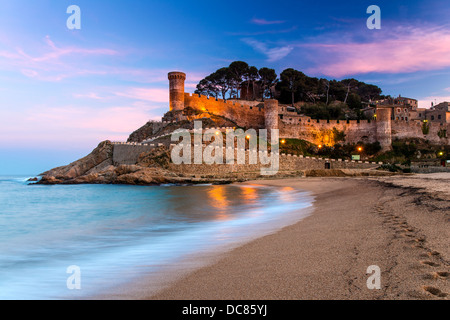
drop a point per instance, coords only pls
(63, 91)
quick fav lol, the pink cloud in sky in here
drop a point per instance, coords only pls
(426, 102)
(266, 22)
(145, 94)
(50, 64)
(90, 95)
(405, 50)
(84, 126)
(273, 53)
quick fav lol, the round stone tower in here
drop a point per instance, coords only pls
(176, 89)
(384, 126)
(271, 111)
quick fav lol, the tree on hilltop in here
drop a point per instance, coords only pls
(215, 83)
(327, 86)
(291, 81)
(268, 78)
(293, 86)
(222, 79)
(350, 83)
(238, 70)
(207, 87)
(251, 76)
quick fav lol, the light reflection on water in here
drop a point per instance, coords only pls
(111, 231)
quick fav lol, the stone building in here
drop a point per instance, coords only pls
(398, 118)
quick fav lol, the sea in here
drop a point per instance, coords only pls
(81, 241)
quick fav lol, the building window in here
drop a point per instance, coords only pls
(432, 118)
(439, 117)
(420, 115)
(406, 118)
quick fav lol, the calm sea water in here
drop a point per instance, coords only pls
(114, 233)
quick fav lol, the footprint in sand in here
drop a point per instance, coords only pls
(429, 263)
(435, 291)
(433, 253)
(436, 276)
(443, 274)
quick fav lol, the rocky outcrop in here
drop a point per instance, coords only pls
(99, 159)
(145, 132)
(98, 168)
(154, 129)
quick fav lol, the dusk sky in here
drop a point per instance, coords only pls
(63, 91)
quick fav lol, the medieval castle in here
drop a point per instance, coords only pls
(396, 119)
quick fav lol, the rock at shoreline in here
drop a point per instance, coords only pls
(153, 168)
(33, 180)
(99, 158)
(98, 168)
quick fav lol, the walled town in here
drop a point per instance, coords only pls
(391, 134)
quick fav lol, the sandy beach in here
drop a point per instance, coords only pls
(390, 222)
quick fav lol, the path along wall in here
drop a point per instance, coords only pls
(129, 154)
(287, 163)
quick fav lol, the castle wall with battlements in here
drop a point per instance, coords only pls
(244, 115)
(322, 131)
(414, 129)
(270, 115)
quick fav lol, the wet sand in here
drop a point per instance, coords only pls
(356, 223)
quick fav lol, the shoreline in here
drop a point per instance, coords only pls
(154, 281)
(326, 255)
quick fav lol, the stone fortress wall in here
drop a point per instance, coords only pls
(129, 153)
(270, 115)
(245, 115)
